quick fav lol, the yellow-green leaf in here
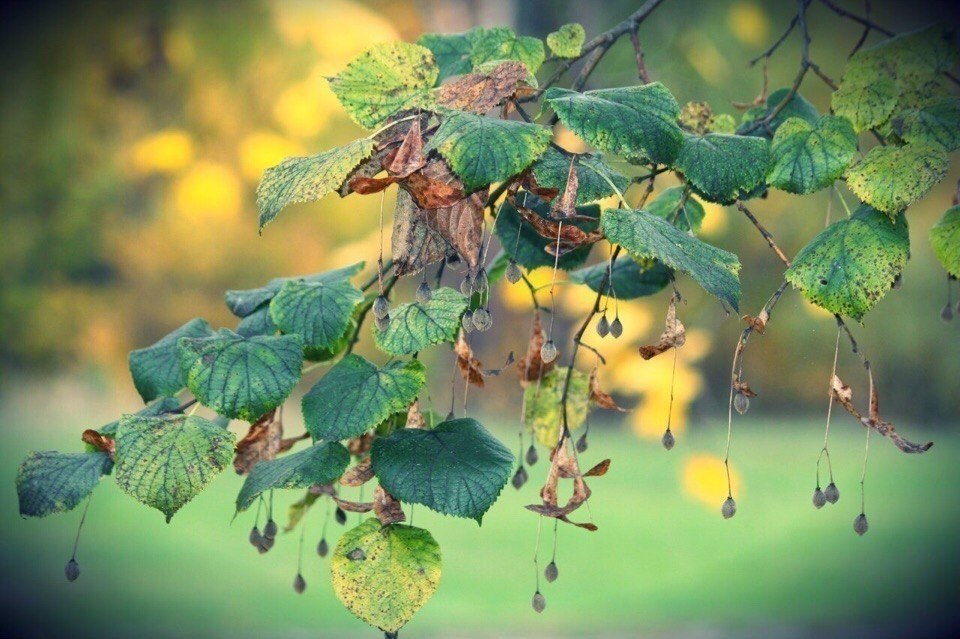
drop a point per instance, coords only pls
(945, 238)
(384, 575)
(809, 157)
(567, 41)
(867, 100)
(501, 43)
(935, 124)
(542, 411)
(891, 178)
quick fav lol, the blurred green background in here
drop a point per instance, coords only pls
(133, 136)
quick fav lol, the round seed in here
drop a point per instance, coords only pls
(729, 508)
(467, 321)
(548, 352)
(466, 286)
(832, 493)
(603, 326)
(819, 498)
(299, 584)
(860, 525)
(551, 572)
(481, 281)
(382, 322)
(482, 320)
(582, 444)
(947, 313)
(254, 537)
(381, 307)
(266, 543)
(323, 548)
(270, 529)
(72, 570)
(340, 516)
(741, 402)
(453, 258)
(616, 327)
(539, 602)
(532, 455)
(668, 440)
(519, 478)
(513, 272)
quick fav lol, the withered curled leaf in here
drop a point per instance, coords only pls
(674, 334)
(566, 205)
(481, 92)
(842, 393)
(415, 244)
(531, 366)
(598, 396)
(743, 388)
(359, 474)
(262, 442)
(409, 156)
(95, 439)
(415, 418)
(470, 367)
(564, 465)
(461, 225)
(387, 508)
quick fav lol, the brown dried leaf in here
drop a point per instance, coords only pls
(566, 205)
(531, 366)
(288, 442)
(262, 442)
(843, 395)
(562, 465)
(415, 243)
(360, 445)
(434, 186)
(481, 92)
(599, 470)
(409, 157)
(359, 474)
(673, 336)
(759, 324)
(568, 236)
(743, 388)
(598, 396)
(353, 506)
(367, 169)
(461, 225)
(387, 508)
(368, 185)
(95, 439)
(415, 418)
(470, 367)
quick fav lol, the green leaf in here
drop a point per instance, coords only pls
(722, 167)
(354, 396)
(451, 51)
(320, 311)
(867, 101)
(414, 325)
(457, 468)
(256, 323)
(809, 157)
(631, 122)
(156, 369)
(567, 41)
(159, 407)
(388, 77)
(384, 575)
(501, 43)
(629, 279)
(935, 124)
(318, 464)
(164, 462)
(527, 247)
(924, 52)
(307, 179)
(891, 178)
(945, 239)
(53, 482)
(594, 176)
(240, 377)
(542, 408)
(484, 150)
(645, 235)
(797, 107)
(243, 303)
(667, 204)
(852, 263)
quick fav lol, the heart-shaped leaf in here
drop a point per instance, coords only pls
(416, 325)
(567, 41)
(501, 43)
(594, 176)
(451, 51)
(53, 482)
(945, 239)
(724, 167)
(936, 124)
(891, 178)
(867, 100)
(629, 279)
(319, 311)
(318, 464)
(156, 369)
(809, 157)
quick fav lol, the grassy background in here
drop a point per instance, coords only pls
(662, 563)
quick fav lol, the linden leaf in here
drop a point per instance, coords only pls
(924, 52)
(594, 176)
(156, 369)
(632, 122)
(542, 410)
(164, 462)
(416, 325)
(389, 77)
(945, 239)
(319, 311)
(645, 235)
(567, 41)
(722, 167)
(891, 178)
(934, 124)
(456, 468)
(667, 206)
(527, 247)
(159, 407)
(852, 263)
(240, 377)
(483, 150)
(451, 51)
(501, 43)
(354, 396)
(385, 574)
(318, 464)
(629, 279)
(867, 100)
(797, 107)
(306, 179)
(809, 157)
(53, 482)
(243, 303)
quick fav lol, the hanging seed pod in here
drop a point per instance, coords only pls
(340, 516)
(729, 508)
(551, 572)
(603, 326)
(266, 543)
(513, 272)
(467, 321)
(270, 529)
(860, 525)
(532, 455)
(381, 307)
(424, 294)
(582, 444)
(482, 320)
(548, 352)
(382, 322)
(299, 584)
(453, 259)
(819, 498)
(539, 602)
(481, 281)
(668, 440)
(72, 570)
(947, 313)
(466, 286)
(616, 327)
(519, 478)
(323, 548)
(897, 282)
(254, 537)
(832, 493)
(741, 402)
